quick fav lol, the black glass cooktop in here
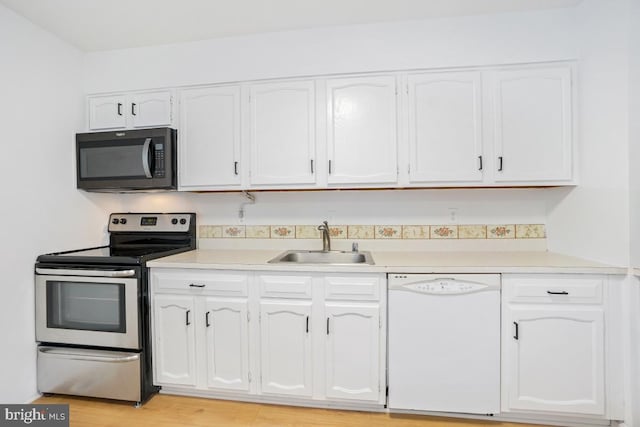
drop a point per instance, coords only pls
(111, 255)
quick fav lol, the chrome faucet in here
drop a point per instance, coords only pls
(326, 239)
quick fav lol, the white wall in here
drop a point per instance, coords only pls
(592, 221)
(41, 211)
(633, 296)
(446, 42)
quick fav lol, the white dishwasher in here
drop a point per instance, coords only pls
(444, 342)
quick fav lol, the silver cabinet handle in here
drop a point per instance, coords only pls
(145, 158)
(85, 273)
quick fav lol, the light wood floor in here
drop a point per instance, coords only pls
(176, 411)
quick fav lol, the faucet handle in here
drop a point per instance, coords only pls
(354, 247)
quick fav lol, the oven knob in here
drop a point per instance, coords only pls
(174, 221)
(123, 220)
(115, 221)
(183, 221)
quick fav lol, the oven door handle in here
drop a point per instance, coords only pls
(66, 354)
(86, 273)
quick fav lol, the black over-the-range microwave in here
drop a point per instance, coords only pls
(127, 160)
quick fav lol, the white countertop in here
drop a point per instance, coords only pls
(396, 262)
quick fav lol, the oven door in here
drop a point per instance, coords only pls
(87, 307)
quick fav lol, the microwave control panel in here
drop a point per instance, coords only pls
(159, 161)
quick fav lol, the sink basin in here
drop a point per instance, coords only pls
(320, 257)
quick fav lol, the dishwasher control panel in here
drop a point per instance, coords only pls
(444, 286)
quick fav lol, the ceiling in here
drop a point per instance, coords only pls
(94, 25)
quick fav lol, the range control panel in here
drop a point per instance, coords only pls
(142, 222)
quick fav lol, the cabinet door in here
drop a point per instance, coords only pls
(555, 359)
(227, 343)
(107, 112)
(151, 109)
(353, 351)
(362, 133)
(532, 125)
(283, 133)
(445, 130)
(210, 137)
(174, 358)
(286, 347)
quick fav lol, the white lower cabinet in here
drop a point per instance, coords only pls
(352, 362)
(307, 336)
(174, 335)
(227, 343)
(285, 343)
(200, 332)
(553, 345)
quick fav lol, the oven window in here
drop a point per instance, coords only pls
(86, 306)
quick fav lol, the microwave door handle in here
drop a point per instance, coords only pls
(145, 158)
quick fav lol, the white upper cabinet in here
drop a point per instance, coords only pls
(209, 138)
(494, 126)
(532, 125)
(445, 127)
(130, 110)
(362, 131)
(282, 133)
(107, 112)
(151, 109)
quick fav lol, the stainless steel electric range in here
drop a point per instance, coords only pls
(92, 308)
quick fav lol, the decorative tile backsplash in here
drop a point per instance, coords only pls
(413, 232)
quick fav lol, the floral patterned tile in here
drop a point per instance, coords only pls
(258, 232)
(467, 231)
(415, 231)
(338, 231)
(388, 231)
(283, 232)
(209, 231)
(472, 232)
(233, 231)
(501, 231)
(444, 232)
(361, 232)
(530, 231)
(307, 232)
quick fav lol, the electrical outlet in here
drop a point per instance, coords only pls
(453, 215)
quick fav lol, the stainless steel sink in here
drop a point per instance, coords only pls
(321, 257)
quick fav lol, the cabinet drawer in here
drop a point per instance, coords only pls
(554, 289)
(285, 286)
(362, 288)
(200, 283)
